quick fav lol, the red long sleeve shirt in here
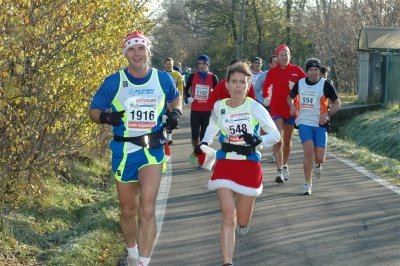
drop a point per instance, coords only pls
(279, 79)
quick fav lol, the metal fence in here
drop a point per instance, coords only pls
(390, 77)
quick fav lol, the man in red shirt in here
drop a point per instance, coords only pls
(280, 80)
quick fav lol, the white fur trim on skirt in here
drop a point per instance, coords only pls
(226, 183)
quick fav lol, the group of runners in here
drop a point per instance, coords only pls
(141, 102)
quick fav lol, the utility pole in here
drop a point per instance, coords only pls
(288, 20)
(240, 39)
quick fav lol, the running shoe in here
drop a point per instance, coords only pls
(242, 230)
(307, 189)
(192, 158)
(279, 177)
(318, 171)
(285, 171)
(227, 264)
(170, 142)
(130, 261)
(272, 159)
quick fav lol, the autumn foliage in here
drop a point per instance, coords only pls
(53, 57)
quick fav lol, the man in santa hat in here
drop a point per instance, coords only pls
(134, 101)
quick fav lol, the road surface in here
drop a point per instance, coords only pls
(350, 218)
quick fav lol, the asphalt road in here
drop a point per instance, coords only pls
(350, 219)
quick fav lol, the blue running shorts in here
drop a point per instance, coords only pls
(289, 120)
(126, 166)
(317, 134)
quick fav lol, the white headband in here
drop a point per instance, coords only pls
(136, 40)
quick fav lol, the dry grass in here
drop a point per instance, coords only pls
(372, 140)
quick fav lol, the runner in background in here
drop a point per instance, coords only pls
(178, 79)
(178, 67)
(258, 90)
(186, 72)
(256, 64)
(281, 79)
(202, 82)
(313, 119)
(324, 73)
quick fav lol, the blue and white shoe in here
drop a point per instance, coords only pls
(242, 230)
(279, 177)
(307, 189)
(285, 171)
(318, 171)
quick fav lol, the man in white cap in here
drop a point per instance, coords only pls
(134, 101)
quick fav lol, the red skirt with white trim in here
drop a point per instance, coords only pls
(241, 176)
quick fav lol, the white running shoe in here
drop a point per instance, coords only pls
(318, 171)
(271, 159)
(285, 171)
(242, 230)
(307, 189)
(279, 177)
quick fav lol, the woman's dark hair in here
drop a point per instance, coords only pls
(325, 69)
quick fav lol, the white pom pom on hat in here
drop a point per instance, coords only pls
(207, 157)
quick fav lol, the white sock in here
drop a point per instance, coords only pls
(284, 166)
(133, 252)
(169, 136)
(143, 261)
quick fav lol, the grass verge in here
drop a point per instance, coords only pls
(73, 221)
(372, 140)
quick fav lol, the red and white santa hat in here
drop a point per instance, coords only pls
(134, 38)
(167, 152)
(207, 158)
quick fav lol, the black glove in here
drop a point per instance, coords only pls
(173, 119)
(197, 149)
(251, 139)
(113, 118)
